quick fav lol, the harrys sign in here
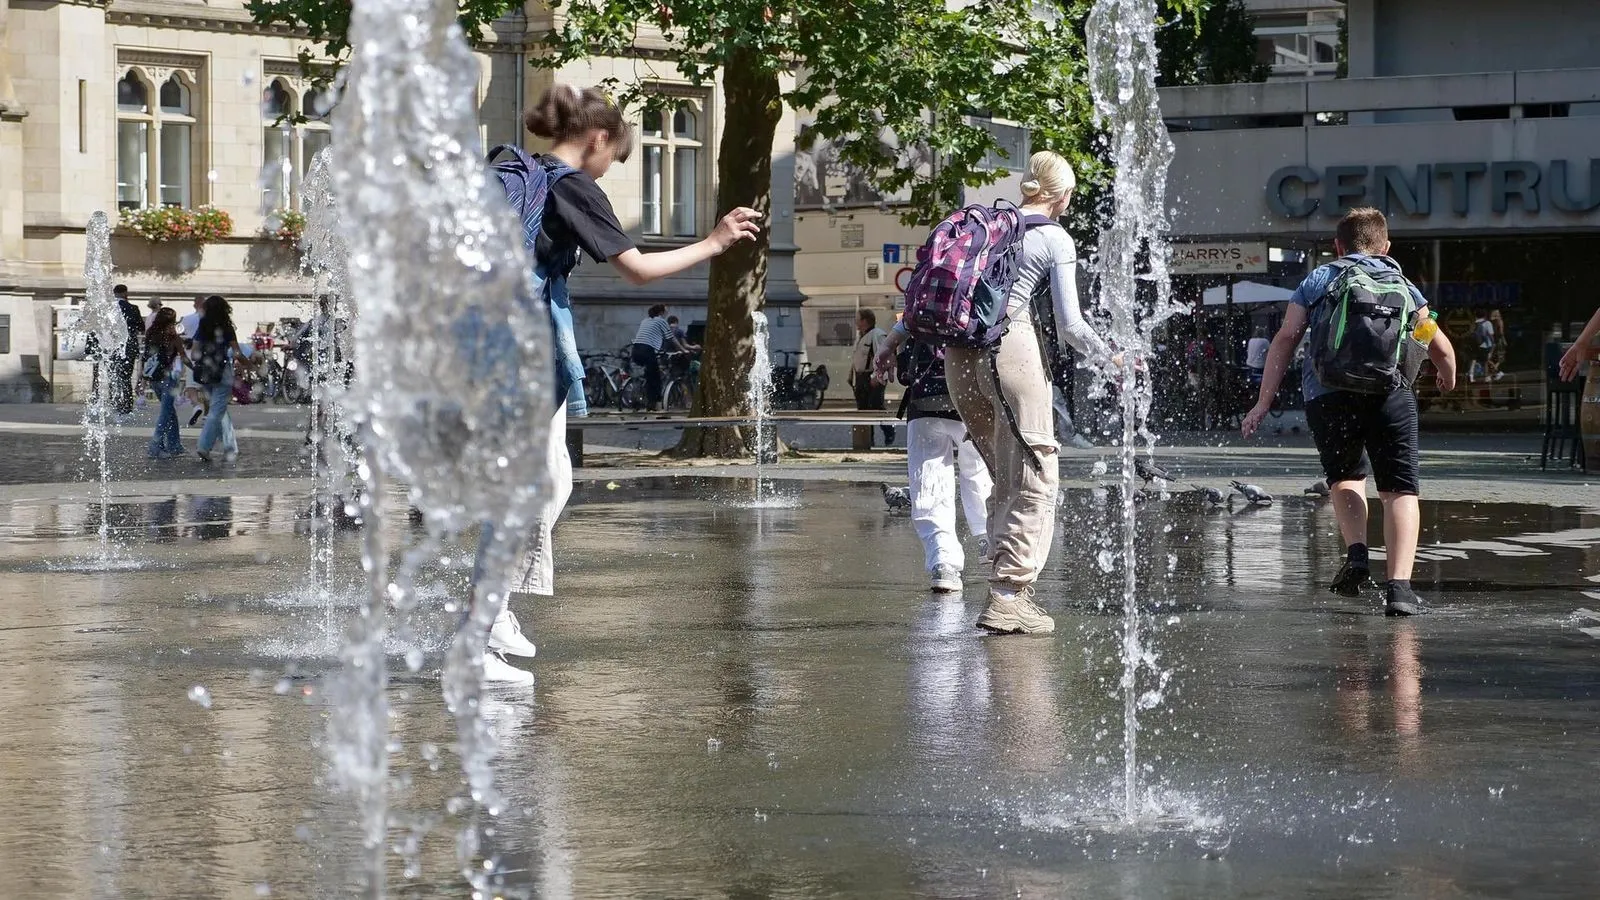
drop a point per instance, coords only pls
(1248, 257)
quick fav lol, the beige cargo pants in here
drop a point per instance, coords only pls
(1022, 507)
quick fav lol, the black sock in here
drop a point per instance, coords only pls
(1357, 556)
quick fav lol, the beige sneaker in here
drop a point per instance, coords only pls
(1015, 615)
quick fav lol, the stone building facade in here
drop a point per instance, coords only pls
(139, 103)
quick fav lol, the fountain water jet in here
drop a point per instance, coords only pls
(758, 396)
(332, 433)
(99, 319)
(1122, 70)
(453, 373)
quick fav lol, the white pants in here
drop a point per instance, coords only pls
(537, 572)
(939, 458)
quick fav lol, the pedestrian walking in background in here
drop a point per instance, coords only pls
(215, 347)
(123, 363)
(156, 306)
(869, 343)
(164, 364)
(653, 336)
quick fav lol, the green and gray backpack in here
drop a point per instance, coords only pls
(1359, 328)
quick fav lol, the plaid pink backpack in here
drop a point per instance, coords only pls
(956, 296)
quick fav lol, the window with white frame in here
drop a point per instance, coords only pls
(294, 129)
(157, 127)
(672, 140)
(1012, 152)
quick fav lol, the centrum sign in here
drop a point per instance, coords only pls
(1461, 188)
(1249, 257)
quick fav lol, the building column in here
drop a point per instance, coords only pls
(11, 185)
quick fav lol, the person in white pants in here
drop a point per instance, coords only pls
(537, 573)
(941, 462)
(587, 132)
(944, 464)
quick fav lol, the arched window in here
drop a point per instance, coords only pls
(155, 144)
(175, 96)
(131, 94)
(134, 123)
(277, 147)
(177, 144)
(276, 101)
(294, 129)
(672, 170)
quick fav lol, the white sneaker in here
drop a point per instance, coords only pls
(498, 671)
(945, 579)
(506, 636)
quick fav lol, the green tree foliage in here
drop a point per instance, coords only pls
(889, 82)
(1213, 45)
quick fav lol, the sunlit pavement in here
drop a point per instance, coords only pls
(767, 702)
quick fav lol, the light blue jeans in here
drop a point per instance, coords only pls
(221, 393)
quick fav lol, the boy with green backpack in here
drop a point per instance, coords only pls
(1369, 329)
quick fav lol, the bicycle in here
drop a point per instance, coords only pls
(797, 386)
(604, 383)
(679, 370)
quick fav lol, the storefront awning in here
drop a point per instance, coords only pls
(1247, 292)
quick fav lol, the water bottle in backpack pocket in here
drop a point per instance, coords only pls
(1360, 327)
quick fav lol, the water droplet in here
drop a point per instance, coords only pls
(414, 659)
(283, 686)
(713, 745)
(263, 889)
(200, 695)
(1106, 561)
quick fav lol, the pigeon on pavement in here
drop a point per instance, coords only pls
(1250, 492)
(1150, 471)
(1320, 489)
(897, 499)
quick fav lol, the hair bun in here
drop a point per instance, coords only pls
(1030, 187)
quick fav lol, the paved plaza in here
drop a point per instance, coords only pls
(766, 702)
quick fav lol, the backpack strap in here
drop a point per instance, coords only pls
(1011, 414)
(521, 155)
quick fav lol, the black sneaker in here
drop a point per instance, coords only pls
(1402, 601)
(1352, 578)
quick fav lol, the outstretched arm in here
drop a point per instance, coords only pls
(1075, 330)
(642, 268)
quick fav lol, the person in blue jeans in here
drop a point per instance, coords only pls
(163, 352)
(216, 346)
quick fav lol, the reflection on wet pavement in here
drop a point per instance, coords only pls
(765, 702)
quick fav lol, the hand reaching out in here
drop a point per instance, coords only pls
(738, 225)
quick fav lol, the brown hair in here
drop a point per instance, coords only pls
(1362, 230)
(566, 112)
(163, 331)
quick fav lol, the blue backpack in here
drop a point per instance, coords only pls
(527, 184)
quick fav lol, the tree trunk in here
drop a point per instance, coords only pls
(738, 280)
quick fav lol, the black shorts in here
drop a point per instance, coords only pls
(1359, 435)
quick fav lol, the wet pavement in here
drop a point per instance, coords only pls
(766, 702)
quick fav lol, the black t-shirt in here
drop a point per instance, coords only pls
(579, 215)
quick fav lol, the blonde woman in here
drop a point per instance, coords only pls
(1004, 396)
